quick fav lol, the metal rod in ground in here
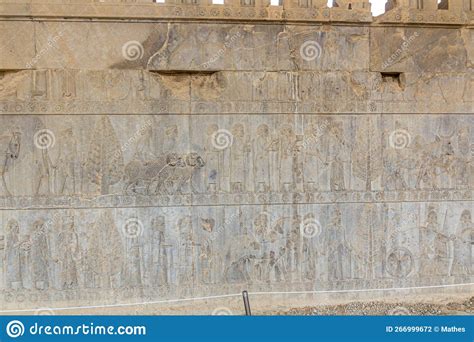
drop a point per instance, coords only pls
(245, 295)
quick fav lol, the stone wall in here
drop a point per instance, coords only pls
(164, 151)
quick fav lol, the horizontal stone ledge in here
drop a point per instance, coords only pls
(289, 11)
(419, 16)
(234, 199)
(205, 12)
(182, 108)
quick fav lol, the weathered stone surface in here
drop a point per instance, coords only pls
(158, 159)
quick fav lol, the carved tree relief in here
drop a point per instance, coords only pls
(105, 160)
(366, 155)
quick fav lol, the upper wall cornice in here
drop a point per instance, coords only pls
(449, 12)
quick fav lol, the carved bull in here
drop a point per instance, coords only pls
(182, 174)
(145, 172)
(166, 174)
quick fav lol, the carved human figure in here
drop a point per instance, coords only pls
(396, 162)
(463, 166)
(335, 147)
(69, 253)
(262, 147)
(276, 266)
(463, 245)
(14, 263)
(308, 254)
(287, 146)
(134, 268)
(45, 171)
(159, 252)
(261, 226)
(207, 257)
(338, 252)
(187, 253)
(433, 247)
(170, 142)
(312, 154)
(271, 265)
(214, 161)
(428, 163)
(12, 153)
(145, 148)
(238, 162)
(294, 249)
(67, 162)
(447, 162)
(40, 254)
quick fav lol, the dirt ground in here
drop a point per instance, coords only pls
(458, 307)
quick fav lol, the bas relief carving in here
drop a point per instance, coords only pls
(191, 250)
(152, 156)
(222, 157)
(274, 228)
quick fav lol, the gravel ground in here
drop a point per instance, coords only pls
(465, 307)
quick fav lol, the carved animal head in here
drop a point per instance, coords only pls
(174, 159)
(194, 160)
(444, 144)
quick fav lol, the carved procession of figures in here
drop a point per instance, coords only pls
(161, 155)
(185, 248)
